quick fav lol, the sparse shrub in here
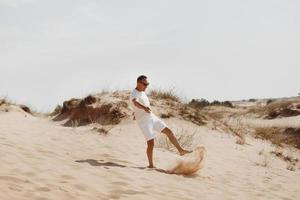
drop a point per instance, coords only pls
(269, 101)
(215, 103)
(3, 101)
(88, 100)
(199, 103)
(26, 109)
(223, 103)
(204, 103)
(227, 104)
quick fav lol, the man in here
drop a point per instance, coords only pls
(147, 121)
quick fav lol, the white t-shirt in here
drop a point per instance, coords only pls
(142, 98)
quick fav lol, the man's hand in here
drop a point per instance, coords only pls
(147, 109)
(137, 104)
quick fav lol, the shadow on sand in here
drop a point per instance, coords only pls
(102, 163)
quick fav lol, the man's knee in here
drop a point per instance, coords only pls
(167, 131)
(150, 143)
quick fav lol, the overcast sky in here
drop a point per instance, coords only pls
(52, 50)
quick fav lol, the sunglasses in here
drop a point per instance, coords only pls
(145, 84)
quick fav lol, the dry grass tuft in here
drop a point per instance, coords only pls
(5, 101)
(236, 127)
(269, 133)
(284, 157)
(291, 167)
(193, 115)
(291, 162)
(279, 136)
(104, 130)
(56, 111)
(184, 139)
(166, 115)
(165, 95)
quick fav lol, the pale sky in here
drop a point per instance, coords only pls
(53, 50)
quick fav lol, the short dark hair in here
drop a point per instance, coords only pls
(140, 78)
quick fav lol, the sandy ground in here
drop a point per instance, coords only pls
(42, 160)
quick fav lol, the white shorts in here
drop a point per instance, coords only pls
(151, 125)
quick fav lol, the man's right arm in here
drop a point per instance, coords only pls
(140, 106)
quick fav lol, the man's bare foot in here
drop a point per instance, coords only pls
(151, 166)
(183, 152)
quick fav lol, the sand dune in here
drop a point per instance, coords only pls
(41, 159)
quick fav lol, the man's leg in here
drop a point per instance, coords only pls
(150, 146)
(174, 141)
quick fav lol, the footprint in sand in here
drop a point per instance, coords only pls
(118, 193)
(41, 198)
(80, 187)
(43, 189)
(148, 187)
(119, 183)
(67, 177)
(6, 144)
(64, 181)
(12, 179)
(16, 188)
(29, 174)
